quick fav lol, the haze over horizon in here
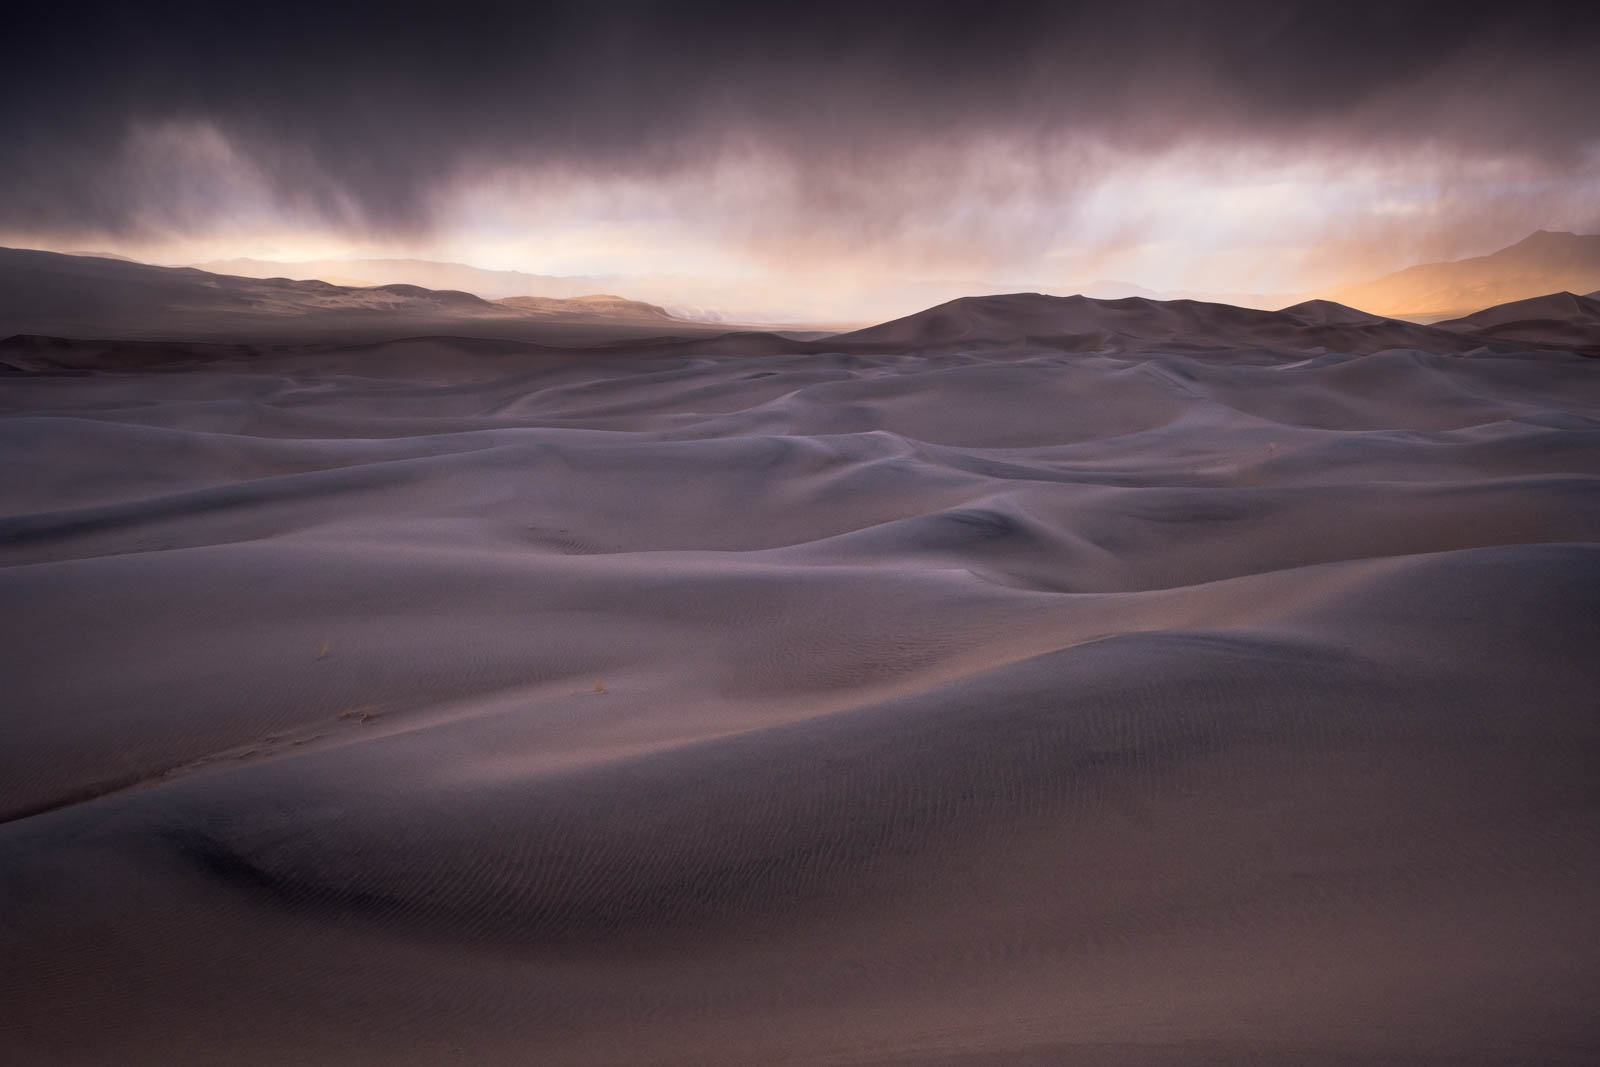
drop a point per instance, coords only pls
(837, 160)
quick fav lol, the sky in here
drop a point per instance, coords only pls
(828, 156)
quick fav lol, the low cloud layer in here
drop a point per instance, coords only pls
(996, 138)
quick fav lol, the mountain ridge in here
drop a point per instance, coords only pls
(56, 294)
(50, 294)
(1543, 262)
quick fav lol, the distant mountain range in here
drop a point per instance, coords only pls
(53, 295)
(101, 255)
(1539, 264)
(97, 297)
(682, 298)
(358, 273)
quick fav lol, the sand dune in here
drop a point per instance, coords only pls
(1556, 319)
(1030, 680)
(1086, 324)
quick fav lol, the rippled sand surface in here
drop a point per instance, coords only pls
(915, 703)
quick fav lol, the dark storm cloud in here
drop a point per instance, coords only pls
(357, 114)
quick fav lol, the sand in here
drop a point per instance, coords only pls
(1089, 682)
(1557, 319)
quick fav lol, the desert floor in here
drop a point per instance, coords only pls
(905, 705)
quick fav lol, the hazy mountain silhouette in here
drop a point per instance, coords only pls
(91, 298)
(50, 293)
(1541, 263)
(489, 284)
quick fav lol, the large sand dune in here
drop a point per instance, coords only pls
(1556, 319)
(1089, 682)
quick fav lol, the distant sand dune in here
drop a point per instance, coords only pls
(1557, 319)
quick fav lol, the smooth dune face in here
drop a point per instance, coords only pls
(1565, 319)
(912, 702)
